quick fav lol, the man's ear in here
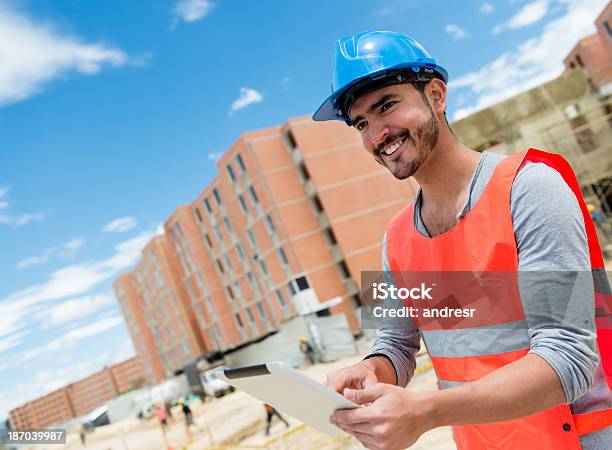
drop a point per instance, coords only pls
(437, 95)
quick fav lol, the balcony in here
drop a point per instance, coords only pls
(336, 253)
(350, 286)
(296, 155)
(310, 188)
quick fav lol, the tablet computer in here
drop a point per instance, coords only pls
(290, 391)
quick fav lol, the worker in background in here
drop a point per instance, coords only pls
(601, 222)
(536, 375)
(271, 412)
(307, 349)
(83, 435)
(162, 416)
(184, 404)
(168, 407)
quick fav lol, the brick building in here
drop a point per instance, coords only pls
(53, 408)
(293, 216)
(158, 314)
(78, 398)
(92, 391)
(593, 53)
(141, 334)
(127, 375)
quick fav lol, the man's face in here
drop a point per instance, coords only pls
(397, 126)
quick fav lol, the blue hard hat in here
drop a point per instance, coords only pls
(372, 59)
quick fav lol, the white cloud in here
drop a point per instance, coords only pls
(63, 342)
(20, 220)
(13, 220)
(29, 217)
(13, 340)
(486, 8)
(395, 8)
(68, 250)
(141, 60)
(528, 15)
(247, 97)
(20, 307)
(191, 10)
(32, 261)
(285, 82)
(33, 54)
(120, 225)
(534, 62)
(72, 337)
(74, 244)
(456, 31)
(76, 308)
(214, 156)
(3, 203)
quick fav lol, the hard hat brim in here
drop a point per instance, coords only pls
(329, 110)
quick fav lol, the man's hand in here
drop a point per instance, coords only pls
(364, 374)
(394, 418)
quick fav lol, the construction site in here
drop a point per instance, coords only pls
(269, 255)
(237, 421)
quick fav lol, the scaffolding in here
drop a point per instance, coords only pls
(585, 138)
(565, 115)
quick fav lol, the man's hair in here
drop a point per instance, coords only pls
(396, 77)
(420, 87)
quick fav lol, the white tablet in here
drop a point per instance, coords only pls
(290, 391)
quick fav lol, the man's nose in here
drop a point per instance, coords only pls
(379, 135)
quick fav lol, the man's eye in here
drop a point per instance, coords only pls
(360, 126)
(386, 106)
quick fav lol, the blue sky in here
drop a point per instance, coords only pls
(112, 114)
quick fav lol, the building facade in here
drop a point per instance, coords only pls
(78, 398)
(565, 115)
(593, 54)
(293, 216)
(133, 309)
(297, 212)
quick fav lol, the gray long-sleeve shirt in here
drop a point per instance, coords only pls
(550, 237)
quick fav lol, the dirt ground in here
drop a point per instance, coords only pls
(237, 421)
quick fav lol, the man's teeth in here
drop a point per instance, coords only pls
(391, 149)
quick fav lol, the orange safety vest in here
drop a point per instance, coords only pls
(483, 243)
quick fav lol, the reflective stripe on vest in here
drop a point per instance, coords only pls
(483, 241)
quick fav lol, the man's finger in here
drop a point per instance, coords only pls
(361, 396)
(352, 416)
(366, 440)
(369, 381)
(361, 427)
(326, 381)
(335, 383)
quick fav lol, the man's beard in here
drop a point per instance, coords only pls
(424, 139)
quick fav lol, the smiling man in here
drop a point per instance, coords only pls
(535, 376)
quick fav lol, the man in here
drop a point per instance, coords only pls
(184, 403)
(531, 378)
(307, 349)
(162, 416)
(270, 413)
(83, 435)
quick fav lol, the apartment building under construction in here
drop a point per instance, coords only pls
(296, 212)
(78, 398)
(290, 221)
